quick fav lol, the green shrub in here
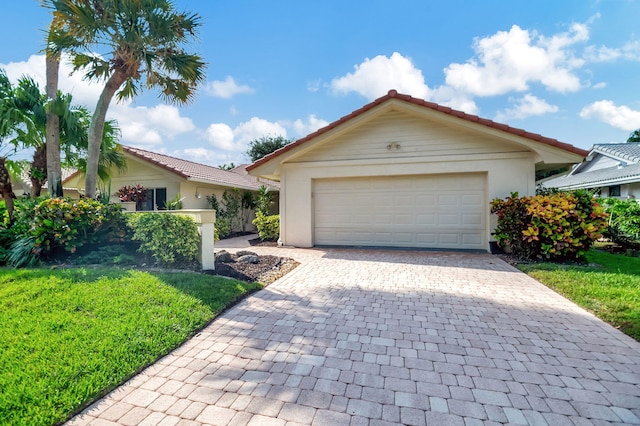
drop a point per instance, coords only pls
(70, 224)
(171, 239)
(223, 227)
(624, 221)
(268, 226)
(560, 226)
(22, 252)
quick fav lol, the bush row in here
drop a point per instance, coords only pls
(555, 226)
(56, 228)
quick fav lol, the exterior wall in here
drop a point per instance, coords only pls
(627, 191)
(506, 173)
(598, 163)
(412, 135)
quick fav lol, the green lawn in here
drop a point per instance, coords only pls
(69, 336)
(609, 287)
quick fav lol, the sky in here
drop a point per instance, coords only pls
(569, 69)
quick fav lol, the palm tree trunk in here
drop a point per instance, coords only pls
(5, 188)
(95, 131)
(38, 174)
(53, 167)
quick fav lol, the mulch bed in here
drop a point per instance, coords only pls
(267, 270)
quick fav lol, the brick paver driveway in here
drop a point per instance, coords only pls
(391, 337)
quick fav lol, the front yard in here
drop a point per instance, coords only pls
(609, 287)
(69, 336)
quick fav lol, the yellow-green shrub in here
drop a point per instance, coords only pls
(560, 226)
(268, 226)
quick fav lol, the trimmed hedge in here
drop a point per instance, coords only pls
(559, 226)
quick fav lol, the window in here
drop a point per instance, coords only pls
(156, 199)
(614, 191)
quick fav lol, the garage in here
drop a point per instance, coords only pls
(405, 172)
(430, 211)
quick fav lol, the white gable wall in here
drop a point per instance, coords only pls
(507, 169)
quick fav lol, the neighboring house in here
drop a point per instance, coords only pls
(164, 177)
(22, 185)
(403, 172)
(613, 169)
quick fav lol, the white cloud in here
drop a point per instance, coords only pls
(149, 125)
(222, 136)
(448, 96)
(303, 128)
(526, 106)
(84, 92)
(510, 61)
(630, 51)
(621, 117)
(375, 77)
(226, 89)
(600, 85)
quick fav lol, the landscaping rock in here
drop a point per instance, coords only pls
(249, 258)
(224, 256)
(245, 253)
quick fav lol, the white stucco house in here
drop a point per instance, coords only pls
(612, 169)
(404, 172)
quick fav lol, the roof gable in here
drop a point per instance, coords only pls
(394, 99)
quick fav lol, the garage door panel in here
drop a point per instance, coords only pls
(439, 211)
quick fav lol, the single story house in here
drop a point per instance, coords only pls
(404, 172)
(164, 177)
(612, 169)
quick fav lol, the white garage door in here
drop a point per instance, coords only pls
(429, 211)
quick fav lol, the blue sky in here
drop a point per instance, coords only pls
(567, 69)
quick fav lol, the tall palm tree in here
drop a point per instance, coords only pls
(138, 44)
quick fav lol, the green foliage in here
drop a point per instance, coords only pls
(72, 335)
(268, 226)
(624, 221)
(609, 286)
(264, 200)
(22, 252)
(171, 239)
(560, 226)
(232, 200)
(634, 137)
(175, 203)
(259, 148)
(222, 227)
(116, 254)
(71, 224)
(226, 166)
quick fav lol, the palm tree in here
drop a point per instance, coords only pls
(137, 41)
(12, 118)
(73, 123)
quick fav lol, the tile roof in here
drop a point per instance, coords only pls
(196, 171)
(393, 94)
(602, 177)
(627, 151)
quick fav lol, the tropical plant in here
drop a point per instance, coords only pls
(264, 200)
(175, 203)
(122, 42)
(265, 145)
(12, 118)
(634, 137)
(136, 194)
(560, 226)
(624, 221)
(268, 226)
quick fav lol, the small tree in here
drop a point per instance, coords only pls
(264, 200)
(258, 148)
(634, 137)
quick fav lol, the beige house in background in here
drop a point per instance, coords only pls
(403, 172)
(164, 177)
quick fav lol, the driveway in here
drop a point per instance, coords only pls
(381, 337)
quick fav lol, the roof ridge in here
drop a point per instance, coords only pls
(174, 158)
(393, 94)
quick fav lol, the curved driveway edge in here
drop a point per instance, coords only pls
(381, 337)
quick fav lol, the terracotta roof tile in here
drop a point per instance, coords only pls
(196, 171)
(393, 94)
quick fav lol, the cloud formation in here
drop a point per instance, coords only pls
(621, 117)
(375, 77)
(526, 106)
(511, 60)
(222, 136)
(227, 88)
(311, 124)
(630, 51)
